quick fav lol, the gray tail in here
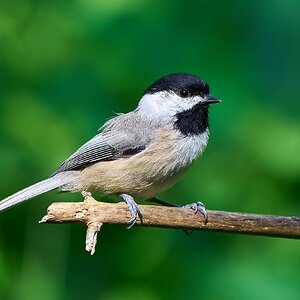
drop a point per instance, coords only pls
(34, 190)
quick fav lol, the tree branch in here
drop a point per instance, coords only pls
(94, 214)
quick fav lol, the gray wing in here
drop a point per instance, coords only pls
(94, 150)
(122, 136)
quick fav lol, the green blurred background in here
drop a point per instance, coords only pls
(67, 66)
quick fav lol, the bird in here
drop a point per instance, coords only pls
(138, 154)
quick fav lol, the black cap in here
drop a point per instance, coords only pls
(178, 82)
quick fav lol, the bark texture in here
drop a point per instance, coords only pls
(93, 214)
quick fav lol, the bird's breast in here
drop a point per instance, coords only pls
(153, 170)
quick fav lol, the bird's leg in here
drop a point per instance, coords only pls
(164, 203)
(197, 207)
(133, 208)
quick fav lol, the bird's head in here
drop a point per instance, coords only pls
(174, 94)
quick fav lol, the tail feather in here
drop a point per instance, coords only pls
(34, 190)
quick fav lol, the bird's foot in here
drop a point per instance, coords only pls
(198, 207)
(133, 208)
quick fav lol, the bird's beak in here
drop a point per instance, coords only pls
(209, 99)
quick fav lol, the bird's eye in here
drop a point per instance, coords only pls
(184, 93)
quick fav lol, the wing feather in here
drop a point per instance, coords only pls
(94, 150)
(120, 138)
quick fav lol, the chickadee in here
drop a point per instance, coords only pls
(139, 154)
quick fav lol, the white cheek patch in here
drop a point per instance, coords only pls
(166, 104)
(187, 103)
(155, 104)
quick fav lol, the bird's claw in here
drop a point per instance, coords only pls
(133, 208)
(198, 207)
(135, 211)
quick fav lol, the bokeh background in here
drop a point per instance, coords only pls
(67, 66)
